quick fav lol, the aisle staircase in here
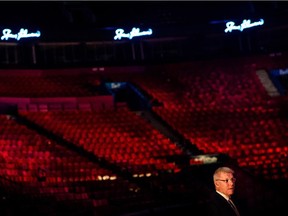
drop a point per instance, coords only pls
(267, 83)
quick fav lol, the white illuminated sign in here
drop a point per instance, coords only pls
(283, 72)
(135, 32)
(115, 85)
(230, 26)
(23, 33)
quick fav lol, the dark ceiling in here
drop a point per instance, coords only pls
(156, 13)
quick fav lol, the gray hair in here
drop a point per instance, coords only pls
(222, 170)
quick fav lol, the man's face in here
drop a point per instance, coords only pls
(224, 186)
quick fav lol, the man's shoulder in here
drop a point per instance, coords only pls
(216, 197)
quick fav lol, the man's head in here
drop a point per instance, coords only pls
(224, 180)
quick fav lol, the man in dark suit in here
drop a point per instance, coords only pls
(220, 202)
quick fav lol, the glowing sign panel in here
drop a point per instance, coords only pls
(23, 33)
(230, 26)
(283, 72)
(135, 32)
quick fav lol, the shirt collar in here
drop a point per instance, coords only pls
(226, 197)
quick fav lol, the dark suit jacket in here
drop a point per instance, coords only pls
(216, 205)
